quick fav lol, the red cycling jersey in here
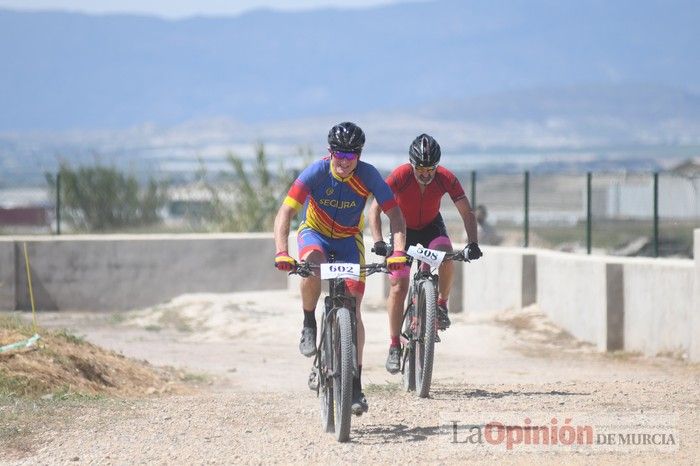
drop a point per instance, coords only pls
(419, 209)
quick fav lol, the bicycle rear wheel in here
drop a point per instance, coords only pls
(426, 313)
(326, 379)
(342, 373)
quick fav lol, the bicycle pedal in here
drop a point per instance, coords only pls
(313, 380)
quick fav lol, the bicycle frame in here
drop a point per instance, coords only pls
(426, 274)
(417, 279)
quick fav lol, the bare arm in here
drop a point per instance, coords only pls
(375, 221)
(282, 222)
(397, 224)
(468, 218)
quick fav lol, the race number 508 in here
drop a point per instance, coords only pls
(427, 253)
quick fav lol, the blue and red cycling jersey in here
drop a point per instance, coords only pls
(333, 216)
(334, 206)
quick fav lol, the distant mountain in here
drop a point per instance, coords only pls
(70, 71)
(575, 129)
(635, 103)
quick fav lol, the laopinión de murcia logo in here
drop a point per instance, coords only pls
(545, 431)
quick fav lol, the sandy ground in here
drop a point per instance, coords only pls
(255, 406)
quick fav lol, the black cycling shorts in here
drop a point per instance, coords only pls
(427, 234)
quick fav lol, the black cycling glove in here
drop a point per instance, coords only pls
(380, 248)
(472, 251)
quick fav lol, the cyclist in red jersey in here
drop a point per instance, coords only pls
(418, 187)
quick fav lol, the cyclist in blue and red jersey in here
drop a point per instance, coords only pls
(418, 187)
(332, 193)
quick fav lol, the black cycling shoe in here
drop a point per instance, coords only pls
(443, 318)
(307, 344)
(359, 403)
(393, 360)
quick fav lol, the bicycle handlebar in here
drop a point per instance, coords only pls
(456, 256)
(305, 269)
(450, 256)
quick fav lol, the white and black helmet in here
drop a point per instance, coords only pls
(346, 137)
(424, 151)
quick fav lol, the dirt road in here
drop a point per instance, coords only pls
(254, 405)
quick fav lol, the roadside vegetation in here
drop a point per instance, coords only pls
(99, 198)
(247, 198)
(243, 198)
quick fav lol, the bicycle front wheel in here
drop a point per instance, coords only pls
(342, 373)
(426, 323)
(326, 379)
(409, 348)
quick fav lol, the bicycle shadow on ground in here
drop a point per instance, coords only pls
(393, 433)
(445, 393)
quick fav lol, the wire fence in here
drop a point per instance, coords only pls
(628, 214)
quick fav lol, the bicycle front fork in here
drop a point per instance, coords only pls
(330, 305)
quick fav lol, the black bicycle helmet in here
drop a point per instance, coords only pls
(346, 137)
(424, 151)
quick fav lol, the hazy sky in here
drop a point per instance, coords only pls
(183, 8)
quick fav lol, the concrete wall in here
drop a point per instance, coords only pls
(7, 275)
(133, 271)
(694, 323)
(637, 304)
(505, 278)
(572, 291)
(632, 304)
(658, 305)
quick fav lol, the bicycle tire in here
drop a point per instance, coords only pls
(342, 380)
(409, 349)
(326, 381)
(426, 311)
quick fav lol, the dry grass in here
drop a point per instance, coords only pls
(62, 365)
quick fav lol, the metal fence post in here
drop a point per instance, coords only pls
(656, 214)
(526, 222)
(58, 203)
(472, 199)
(589, 211)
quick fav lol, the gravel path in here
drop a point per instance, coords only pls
(257, 409)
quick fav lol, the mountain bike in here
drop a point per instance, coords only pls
(419, 329)
(335, 364)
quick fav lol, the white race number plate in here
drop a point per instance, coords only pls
(340, 270)
(429, 256)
